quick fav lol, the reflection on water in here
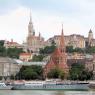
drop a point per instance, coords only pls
(35, 92)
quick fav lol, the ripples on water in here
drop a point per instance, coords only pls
(35, 92)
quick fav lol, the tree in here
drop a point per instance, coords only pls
(62, 74)
(69, 49)
(38, 58)
(79, 50)
(48, 49)
(30, 72)
(90, 49)
(78, 72)
(2, 43)
(86, 75)
(2, 51)
(14, 52)
(56, 73)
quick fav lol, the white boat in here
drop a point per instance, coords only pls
(92, 84)
(3, 86)
(27, 85)
(50, 85)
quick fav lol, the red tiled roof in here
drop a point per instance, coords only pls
(25, 54)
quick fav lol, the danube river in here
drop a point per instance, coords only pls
(38, 92)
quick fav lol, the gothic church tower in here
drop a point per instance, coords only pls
(31, 32)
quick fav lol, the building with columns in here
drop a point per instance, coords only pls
(8, 67)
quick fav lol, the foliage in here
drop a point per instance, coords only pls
(90, 49)
(56, 73)
(30, 72)
(2, 48)
(0, 77)
(70, 49)
(79, 50)
(86, 75)
(2, 43)
(37, 58)
(14, 52)
(2, 51)
(78, 72)
(10, 52)
(61, 75)
(48, 49)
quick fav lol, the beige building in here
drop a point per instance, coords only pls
(8, 67)
(77, 41)
(25, 57)
(12, 44)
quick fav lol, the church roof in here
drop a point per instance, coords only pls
(56, 52)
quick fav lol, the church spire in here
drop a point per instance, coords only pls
(62, 42)
(30, 27)
(30, 17)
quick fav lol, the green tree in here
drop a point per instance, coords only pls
(14, 52)
(56, 73)
(78, 72)
(48, 49)
(62, 75)
(30, 72)
(69, 49)
(2, 43)
(86, 75)
(2, 51)
(38, 58)
(2, 48)
(90, 49)
(79, 50)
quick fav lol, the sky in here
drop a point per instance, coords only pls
(77, 17)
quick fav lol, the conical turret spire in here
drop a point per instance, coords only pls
(62, 42)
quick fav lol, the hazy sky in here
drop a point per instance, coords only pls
(77, 16)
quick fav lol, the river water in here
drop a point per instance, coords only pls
(38, 92)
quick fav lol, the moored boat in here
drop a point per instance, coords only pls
(51, 85)
(3, 86)
(92, 84)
